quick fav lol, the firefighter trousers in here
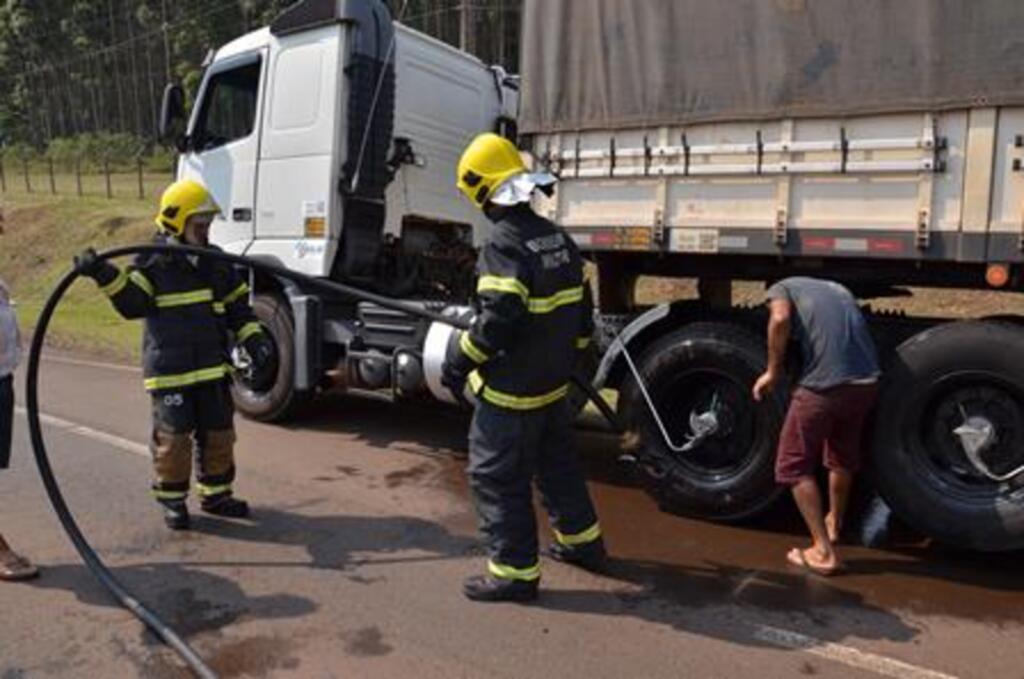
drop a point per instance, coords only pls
(508, 450)
(194, 421)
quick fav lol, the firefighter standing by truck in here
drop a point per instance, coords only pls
(533, 314)
(192, 307)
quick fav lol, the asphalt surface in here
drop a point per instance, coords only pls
(362, 532)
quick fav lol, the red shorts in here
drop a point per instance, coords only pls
(828, 423)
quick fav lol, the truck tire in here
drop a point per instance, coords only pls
(730, 475)
(281, 401)
(949, 375)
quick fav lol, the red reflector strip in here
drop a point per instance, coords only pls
(819, 243)
(605, 238)
(886, 245)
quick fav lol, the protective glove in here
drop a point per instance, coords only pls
(454, 378)
(88, 263)
(260, 350)
(263, 361)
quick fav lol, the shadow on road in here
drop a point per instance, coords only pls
(431, 428)
(344, 542)
(191, 600)
(735, 605)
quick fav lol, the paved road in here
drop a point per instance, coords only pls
(362, 533)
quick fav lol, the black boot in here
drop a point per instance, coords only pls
(175, 514)
(225, 505)
(590, 557)
(487, 588)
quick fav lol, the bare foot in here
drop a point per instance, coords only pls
(833, 528)
(813, 561)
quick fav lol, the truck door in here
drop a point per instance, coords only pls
(224, 145)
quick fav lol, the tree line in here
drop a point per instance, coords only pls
(95, 70)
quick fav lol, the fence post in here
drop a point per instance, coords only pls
(78, 174)
(53, 181)
(106, 172)
(28, 182)
(3, 177)
(142, 190)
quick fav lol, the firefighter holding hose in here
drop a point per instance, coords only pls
(194, 310)
(533, 314)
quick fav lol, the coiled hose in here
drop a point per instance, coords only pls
(67, 520)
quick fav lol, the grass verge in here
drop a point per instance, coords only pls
(41, 235)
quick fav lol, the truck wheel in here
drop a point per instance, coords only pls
(700, 378)
(948, 449)
(278, 401)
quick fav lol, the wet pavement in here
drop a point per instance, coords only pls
(363, 531)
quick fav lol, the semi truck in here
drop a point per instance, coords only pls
(877, 144)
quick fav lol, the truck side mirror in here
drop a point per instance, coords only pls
(172, 118)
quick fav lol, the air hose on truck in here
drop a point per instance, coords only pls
(67, 520)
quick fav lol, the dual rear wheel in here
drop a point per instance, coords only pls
(946, 449)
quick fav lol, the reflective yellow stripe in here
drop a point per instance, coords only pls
(169, 494)
(248, 330)
(184, 298)
(242, 289)
(582, 342)
(581, 538)
(142, 282)
(503, 284)
(115, 286)
(187, 379)
(509, 573)
(471, 349)
(475, 382)
(218, 308)
(511, 401)
(543, 305)
(207, 491)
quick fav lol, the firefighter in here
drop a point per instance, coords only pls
(193, 307)
(532, 318)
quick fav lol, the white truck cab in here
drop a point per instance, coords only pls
(323, 134)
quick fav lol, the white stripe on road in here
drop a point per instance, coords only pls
(845, 655)
(93, 364)
(90, 433)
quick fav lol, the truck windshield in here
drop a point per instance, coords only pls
(229, 107)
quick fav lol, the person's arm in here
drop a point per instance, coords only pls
(130, 290)
(586, 330)
(779, 311)
(502, 297)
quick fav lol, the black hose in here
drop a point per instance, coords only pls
(89, 556)
(92, 561)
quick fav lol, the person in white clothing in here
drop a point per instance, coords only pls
(12, 565)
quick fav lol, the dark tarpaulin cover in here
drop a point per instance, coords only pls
(595, 64)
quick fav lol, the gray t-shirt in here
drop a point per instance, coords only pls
(834, 339)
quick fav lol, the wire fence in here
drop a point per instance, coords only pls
(141, 177)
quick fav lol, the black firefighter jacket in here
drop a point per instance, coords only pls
(189, 307)
(533, 314)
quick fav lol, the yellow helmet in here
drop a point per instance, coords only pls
(486, 163)
(181, 200)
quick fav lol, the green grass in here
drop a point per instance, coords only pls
(41, 234)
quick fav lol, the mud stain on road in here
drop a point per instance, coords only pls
(413, 475)
(746, 564)
(254, 657)
(366, 642)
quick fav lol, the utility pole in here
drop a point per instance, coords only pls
(122, 124)
(167, 40)
(466, 32)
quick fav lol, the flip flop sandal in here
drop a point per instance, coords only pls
(16, 568)
(802, 562)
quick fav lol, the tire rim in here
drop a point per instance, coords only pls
(968, 415)
(716, 395)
